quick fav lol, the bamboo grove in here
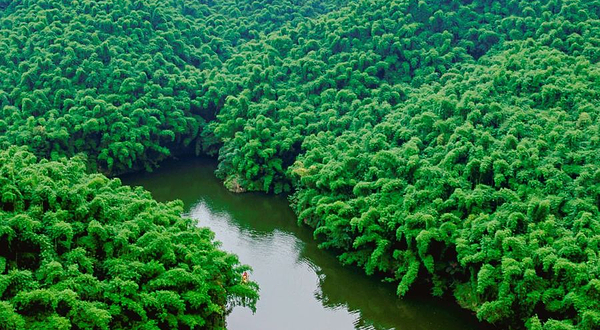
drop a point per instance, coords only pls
(80, 251)
(450, 144)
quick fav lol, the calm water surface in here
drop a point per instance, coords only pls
(301, 287)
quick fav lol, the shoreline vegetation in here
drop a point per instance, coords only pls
(83, 251)
(452, 144)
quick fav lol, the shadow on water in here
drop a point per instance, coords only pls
(302, 287)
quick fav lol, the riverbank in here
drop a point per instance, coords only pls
(302, 287)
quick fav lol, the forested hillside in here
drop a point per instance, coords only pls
(80, 251)
(458, 146)
(127, 82)
(454, 144)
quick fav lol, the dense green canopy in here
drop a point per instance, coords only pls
(447, 143)
(454, 144)
(81, 251)
(125, 81)
(475, 187)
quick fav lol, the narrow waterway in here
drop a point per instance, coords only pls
(302, 287)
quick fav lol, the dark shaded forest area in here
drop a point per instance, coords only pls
(452, 144)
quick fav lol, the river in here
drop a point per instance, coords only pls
(301, 287)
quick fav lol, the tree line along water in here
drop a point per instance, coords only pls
(449, 144)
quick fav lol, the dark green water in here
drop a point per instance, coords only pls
(302, 287)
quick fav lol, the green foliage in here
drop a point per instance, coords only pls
(82, 251)
(475, 184)
(127, 82)
(452, 143)
(446, 143)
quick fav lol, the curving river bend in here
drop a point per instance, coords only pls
(301, 287)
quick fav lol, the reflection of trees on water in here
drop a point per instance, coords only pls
(258, 216)
(370, 301)
(329, 296)
(375, 303)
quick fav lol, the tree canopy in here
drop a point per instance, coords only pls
(81, 251)
(454, 144)
(127, 82)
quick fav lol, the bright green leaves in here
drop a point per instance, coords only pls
(62, 233)
(11, 320)
(409, 268)
(479, 183)
(27, 106)
(101, 255)
(451, 144)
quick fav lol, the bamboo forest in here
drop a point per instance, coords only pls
(449, 148)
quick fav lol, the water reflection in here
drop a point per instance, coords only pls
(302, 287)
